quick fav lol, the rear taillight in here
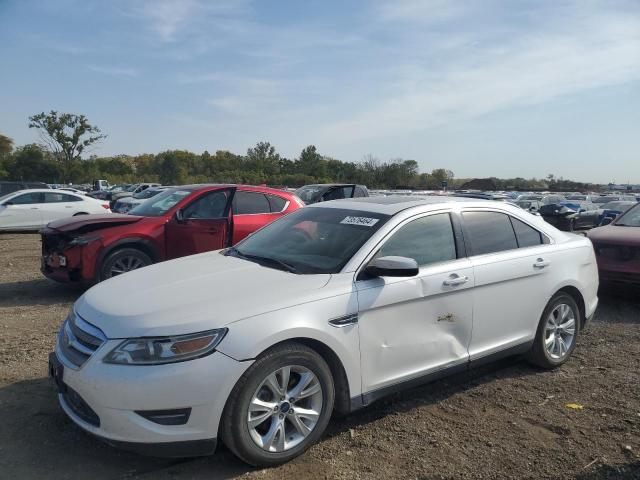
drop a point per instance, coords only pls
(105, 206)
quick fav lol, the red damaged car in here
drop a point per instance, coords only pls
(177, 222)
(617, 248)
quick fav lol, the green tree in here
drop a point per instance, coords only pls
(264, 158)
(312, 163)
(172, 167)
(32, 163)
(66, 136)
(6, 145)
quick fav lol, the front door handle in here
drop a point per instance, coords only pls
(213, 231)
(455, 280)
(541, 263)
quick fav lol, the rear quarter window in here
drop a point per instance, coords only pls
(527, 236)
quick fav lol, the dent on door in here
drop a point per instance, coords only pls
(412, 327)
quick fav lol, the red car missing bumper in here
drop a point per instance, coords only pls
(181, 221)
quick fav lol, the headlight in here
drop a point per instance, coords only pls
(156, 351)
(83, 240)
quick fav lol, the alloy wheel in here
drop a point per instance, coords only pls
(125, 264)
(285, 408)
(560, 331)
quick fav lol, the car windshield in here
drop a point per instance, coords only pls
(630, 219)
(605, 199)
(619, 206)
(4, 197)
(311, 240)
(148, 193)
(577, 197)
(310, 193)
(160, 204)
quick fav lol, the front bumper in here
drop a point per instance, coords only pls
(114, 393)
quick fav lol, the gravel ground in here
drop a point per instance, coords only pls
(506, 420)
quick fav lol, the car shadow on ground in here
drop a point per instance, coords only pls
(37, 292)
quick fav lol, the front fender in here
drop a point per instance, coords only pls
(248, 338)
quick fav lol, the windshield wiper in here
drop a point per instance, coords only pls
(273, 261)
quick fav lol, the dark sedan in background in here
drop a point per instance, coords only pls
(617, 248)
(323, 192)
(594, 218)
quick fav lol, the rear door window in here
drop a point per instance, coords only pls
(55, 197)
(250, 203)
(489, 232)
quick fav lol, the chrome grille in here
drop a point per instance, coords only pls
(78, 339)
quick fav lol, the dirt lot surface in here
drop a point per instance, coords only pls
(506, 420)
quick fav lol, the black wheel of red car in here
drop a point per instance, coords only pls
(122, 261)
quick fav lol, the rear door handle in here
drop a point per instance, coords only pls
(213, 231)
(541, 263)
(455, 280)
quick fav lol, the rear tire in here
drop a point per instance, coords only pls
(279, 426)
(557, 332)
(122, 261)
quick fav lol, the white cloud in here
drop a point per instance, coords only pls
(573, 50)
(115, 71)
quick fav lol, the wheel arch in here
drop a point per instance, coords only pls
(342, 403)
(575, 293)
(142, 244)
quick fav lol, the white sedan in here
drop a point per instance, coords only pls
(329, 308)
(33, 209)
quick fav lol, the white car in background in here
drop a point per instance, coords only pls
(328, 308)
(33, 209)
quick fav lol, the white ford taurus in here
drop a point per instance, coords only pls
(328, 308)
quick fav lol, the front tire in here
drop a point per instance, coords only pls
(122, 261)
(279, 407)
(557, 332)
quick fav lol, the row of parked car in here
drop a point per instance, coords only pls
(84, 242)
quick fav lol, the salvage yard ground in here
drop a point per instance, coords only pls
(506, 420)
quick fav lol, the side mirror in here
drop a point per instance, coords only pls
(180, 215)
(532, 209)
(392, 267)
(606, 221)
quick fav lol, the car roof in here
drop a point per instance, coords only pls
(41, 190)
(255, 188)
(394, 204)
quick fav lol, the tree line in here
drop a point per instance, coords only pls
(66, 137)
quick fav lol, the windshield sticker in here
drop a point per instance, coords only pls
(364, 221)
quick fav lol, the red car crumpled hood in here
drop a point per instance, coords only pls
(92, 222)
(612, 234)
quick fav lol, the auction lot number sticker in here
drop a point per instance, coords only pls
(363, 221)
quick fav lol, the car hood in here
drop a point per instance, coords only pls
(192, 294)
(92, 222)
(617, 235)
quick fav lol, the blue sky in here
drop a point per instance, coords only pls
(484, 88)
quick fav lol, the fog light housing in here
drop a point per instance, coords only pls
(177, 416)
